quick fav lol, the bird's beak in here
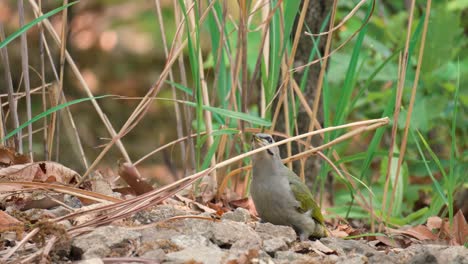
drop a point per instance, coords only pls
(257, 142)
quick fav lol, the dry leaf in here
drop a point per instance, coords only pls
(388, 241)
(460, 228)
(420, 232)
(9, 156)
(315, 246)
(245, 203)
(218, 207)
(434, 222)
(45, 171)
(208, 188)
(129, 173)
(339, 233)
(9, 223)
(344, 230)
(318, 247)
(190, 203)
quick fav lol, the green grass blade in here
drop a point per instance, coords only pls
(453, 146)
(26, 27)
(429, 171)
(439, 165)
(255, 120)
(181, 87)
(48, 112)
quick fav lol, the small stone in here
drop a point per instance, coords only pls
(59, 211)
(72, 201)
(238, 215)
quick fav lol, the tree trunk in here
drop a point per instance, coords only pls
(316, 14)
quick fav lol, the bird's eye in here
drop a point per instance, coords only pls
(269, 139)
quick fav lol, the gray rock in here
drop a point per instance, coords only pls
(59, 211)
(156, 233)
(249, 256)
(202, 254)
(354, 259)
(274, 244)
(275, 237)
(159, 213)
(223, 234)
(91, 261)
(102, 241)
(229, 232)
(346, 247)
(72, 201)
(434, 254)
(157, 255)
(286, 257)
(191, 226)
(268, 231)
(238, 215)
(456, 255)
(425, 257)
(188, 241)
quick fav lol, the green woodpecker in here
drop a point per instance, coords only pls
(280, 197)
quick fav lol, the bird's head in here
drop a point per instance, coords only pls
(260, 140)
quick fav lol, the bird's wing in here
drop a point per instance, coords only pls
(304, 197)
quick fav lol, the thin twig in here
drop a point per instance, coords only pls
(179, 124)
(11, 99)
(396, 114)
(21, 243)
(411, 103)
(25, 68)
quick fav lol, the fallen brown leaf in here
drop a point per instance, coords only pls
(460, 229)
(45, 171)
(419, 232)
(245, 203)
(434, 222)
(131, 176)
(9, 156)
(388, 241)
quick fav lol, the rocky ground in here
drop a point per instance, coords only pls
(235, 238)
(181, 231)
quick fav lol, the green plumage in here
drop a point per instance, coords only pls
(304, 197)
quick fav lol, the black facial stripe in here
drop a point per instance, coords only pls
(269, 152)
(267, 138)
